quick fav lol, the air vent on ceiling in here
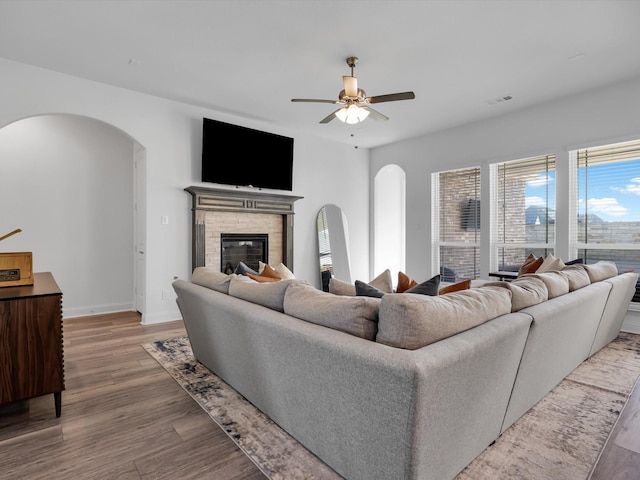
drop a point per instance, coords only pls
(499, 99)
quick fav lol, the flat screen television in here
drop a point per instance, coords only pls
(241, 156)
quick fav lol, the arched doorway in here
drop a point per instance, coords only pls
(70, 183)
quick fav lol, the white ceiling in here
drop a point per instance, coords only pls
(250, 57)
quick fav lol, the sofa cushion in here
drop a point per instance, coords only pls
(428, 287)
(354, 315)
(269, 294)
(366, 290)
(557, 284)
(211, 278)
(577, 276)
(601, 270)
(412, 321)
(526, 291)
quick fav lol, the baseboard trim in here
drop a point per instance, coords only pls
(96, 310)
(150, 319)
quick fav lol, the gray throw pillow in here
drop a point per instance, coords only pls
(366, 290)
(243, 269)
(429, 287)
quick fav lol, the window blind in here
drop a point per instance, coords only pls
(459, 224)
(608, 217)
(524, 210)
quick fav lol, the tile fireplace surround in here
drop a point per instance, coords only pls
(216, 211)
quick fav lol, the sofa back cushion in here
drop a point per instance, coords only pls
(269, 294)
(354, 315)
(577, 276)
(557, 284)
(411, 321)
(526, 291)
(601, 270)
(211, 278)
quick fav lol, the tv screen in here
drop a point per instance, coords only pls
(241, 156)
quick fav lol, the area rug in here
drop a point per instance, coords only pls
(560, 437)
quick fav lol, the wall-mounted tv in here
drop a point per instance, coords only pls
(241, 156)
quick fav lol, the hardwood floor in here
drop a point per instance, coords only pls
(620, 458)
(123, 416)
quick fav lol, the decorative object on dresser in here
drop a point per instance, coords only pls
(31, 353)
(16, 268)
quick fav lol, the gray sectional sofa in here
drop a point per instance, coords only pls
(405, 386)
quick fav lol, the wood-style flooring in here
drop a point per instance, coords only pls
(620, 458)
(123, 416)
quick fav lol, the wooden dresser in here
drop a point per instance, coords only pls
(31, 352)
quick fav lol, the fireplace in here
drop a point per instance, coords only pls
(222, 211)
(249, 248)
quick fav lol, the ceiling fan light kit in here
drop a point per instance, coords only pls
(355, 103)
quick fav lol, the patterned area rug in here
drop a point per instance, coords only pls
(560, 437)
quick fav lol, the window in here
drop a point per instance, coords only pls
(389, 219)
(524, 210)
(607, 208)
(457, 230)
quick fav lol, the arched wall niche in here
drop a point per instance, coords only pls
(389, 220)
(70, 183)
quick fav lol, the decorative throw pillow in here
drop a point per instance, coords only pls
(531, 264)
(242, 268)
(383, 281)
(430, 287)
(269, 271)
(281, 269)
(455, 287)
(366, 290)
(550, 264)
(577, 261)
(339, 287)
(284, 272)
(404, 282)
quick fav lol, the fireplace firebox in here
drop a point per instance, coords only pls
(249, 248)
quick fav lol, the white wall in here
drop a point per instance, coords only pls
(598, 117)
(67, 183)
(324, 172)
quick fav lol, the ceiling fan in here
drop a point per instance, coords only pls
(354, 101)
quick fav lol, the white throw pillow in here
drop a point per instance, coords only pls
(550, 264)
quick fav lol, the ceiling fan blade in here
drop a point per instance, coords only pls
(391, 97)
(329, 117)
(314, 100)
(375, 114)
